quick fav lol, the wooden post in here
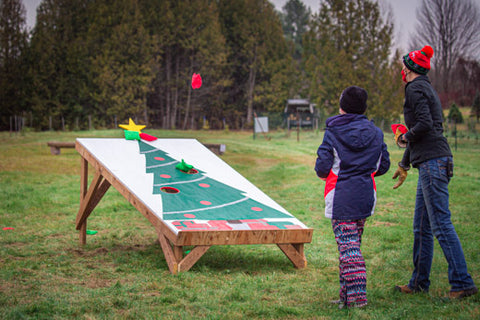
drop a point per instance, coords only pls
(192, 258)
(298, 126)
(295, 254)
(83, 193)
(83, 233)
(174, 255)
(89, 197)
(96, 190)
(168, 253)
(178, 252)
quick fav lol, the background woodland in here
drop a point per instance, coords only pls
(92, 64)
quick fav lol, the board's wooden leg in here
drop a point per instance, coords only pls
(83, 233)
(89, 197)
(191, 258)
(178, 252)
(98, 187)
(174, 255)
(295, 253)
(168, 253)
(83, 193)
(299, 247)
(83, 178)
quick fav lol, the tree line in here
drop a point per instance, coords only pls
(105, 61)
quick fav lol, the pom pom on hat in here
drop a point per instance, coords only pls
(428, 51)
(419, 60)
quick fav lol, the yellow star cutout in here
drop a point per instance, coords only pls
(131, 126)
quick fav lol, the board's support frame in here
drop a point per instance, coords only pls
(173, 244)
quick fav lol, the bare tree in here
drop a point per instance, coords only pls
(451, 27)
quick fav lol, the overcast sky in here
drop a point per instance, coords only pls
(403, 12)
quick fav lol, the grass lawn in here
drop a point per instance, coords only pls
(121, 272)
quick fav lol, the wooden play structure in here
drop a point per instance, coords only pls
(55, 146)
(300, 113)
(210, 204)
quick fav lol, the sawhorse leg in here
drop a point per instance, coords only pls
(294, 252)
(89, 198)
(174, 255)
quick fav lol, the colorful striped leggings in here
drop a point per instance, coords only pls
(353, 275)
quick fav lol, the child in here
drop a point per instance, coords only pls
(351, 155)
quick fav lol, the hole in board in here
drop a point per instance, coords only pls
(191, 171)
(169, 190)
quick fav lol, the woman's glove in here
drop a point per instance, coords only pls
(399, 130)
(402, 174)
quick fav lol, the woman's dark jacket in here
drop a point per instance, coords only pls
(423, 116)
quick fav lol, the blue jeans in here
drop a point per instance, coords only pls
(432, 218)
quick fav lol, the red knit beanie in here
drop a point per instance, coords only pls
(419, 61)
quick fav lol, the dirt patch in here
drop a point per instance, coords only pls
(94, 283)
(377, 223)
(55, 235)
(78, 252)
(14, 245)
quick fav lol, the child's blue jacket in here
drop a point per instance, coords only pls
(351, 155)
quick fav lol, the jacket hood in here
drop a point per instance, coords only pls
(358, 135)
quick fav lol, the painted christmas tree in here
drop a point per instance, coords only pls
(188, 194)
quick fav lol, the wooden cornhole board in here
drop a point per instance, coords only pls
(210, 205)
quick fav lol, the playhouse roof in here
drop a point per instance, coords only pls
(293, 104)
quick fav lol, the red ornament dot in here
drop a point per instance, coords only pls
(166, 176)
(189, 215)
(256, 209)
(205, 202)
(159, 158)
(204, 185)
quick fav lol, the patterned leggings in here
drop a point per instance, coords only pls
(353, 275)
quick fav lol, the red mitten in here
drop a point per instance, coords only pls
(399, 126)
(399, 130)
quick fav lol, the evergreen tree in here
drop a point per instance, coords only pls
(133, 58)
(257, 54)
(189, 41)
(295, 16)
(13, 41)
(123, 68)
(349, 44)
(454, 114)
(58, 62)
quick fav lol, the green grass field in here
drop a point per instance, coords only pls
(121, 272)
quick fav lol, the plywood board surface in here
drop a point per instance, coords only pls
(211, 197)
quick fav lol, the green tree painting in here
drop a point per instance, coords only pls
(192, 195)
